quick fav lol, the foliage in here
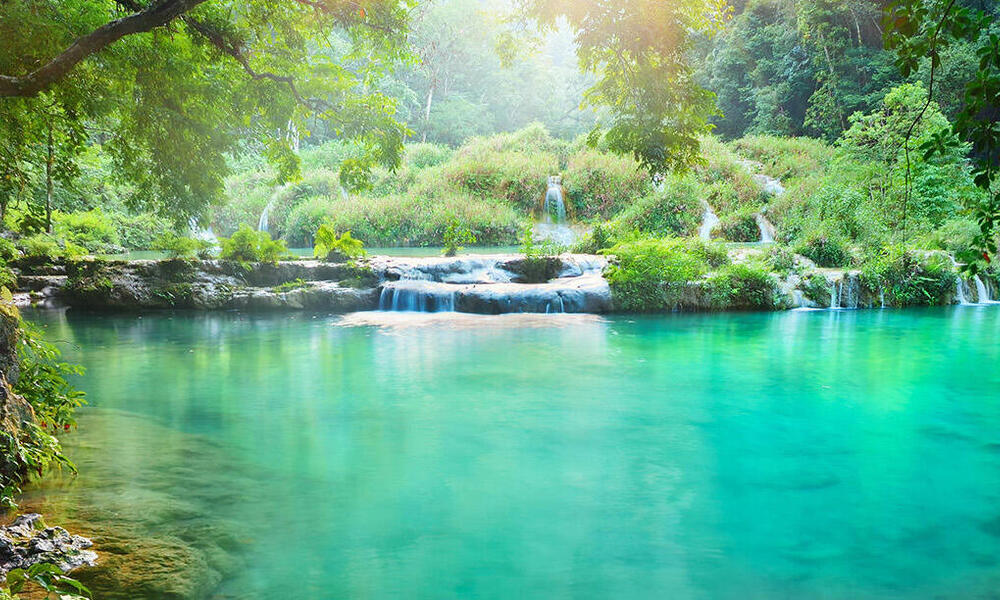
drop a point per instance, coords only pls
(41, 248)
(248, 245)
(599, 184)
(289, 286)
(455, 237)
(178, 246)
(742, 286)
(780, 259)
(907, 278)
(640, 54)
(740, 226)
(169, 105)
(49, 578)
(925, 30)
(8, 251)
(92, 230)
(650, 275)
(673, 209)
(825, 249)
(329, 246)
(43, 380)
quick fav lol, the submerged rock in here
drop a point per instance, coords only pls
(27, 542)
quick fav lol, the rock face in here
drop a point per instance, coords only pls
(27, 542)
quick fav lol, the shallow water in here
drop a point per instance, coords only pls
(846, 454)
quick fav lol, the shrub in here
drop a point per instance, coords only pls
(8, 251)
(540, 261)
(908, 279)
(714, 254)
(674, 209)
(650, 275)
(781, 259)
(41, 248)
(742, 287)
(93, 230)
(177, 246)
(7, 278)
(602, 184)
(138, 232)
(247, 245)
(333, 248)
(825, 249)
(740, 226)
(455, 237)
(816, 288)
(421, 156)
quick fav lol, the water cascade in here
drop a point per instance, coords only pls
(262, 224)
(960, 294)
(835, 294)
(491, 285)
(766, 229)
(553, 226)
(982, 294)
(709, 221)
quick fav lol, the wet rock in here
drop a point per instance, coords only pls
(27, 542)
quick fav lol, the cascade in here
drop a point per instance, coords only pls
(709, 221)
(852, 293)
(982, 294)
(262, 224)
(766, 229)
(412, 295)
(199, 233)
(881, 297)
(835, 294)
(960, 294)
(554, 205)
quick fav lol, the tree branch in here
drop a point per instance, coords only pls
(157, 15)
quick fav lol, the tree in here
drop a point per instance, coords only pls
(924, 30)
(169, 87)
(639, 50)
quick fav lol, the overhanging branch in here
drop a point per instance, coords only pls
(157, 15)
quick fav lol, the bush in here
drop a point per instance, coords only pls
(93, 230)
(742, 287)
(138, 232)
(740, 226)
(41, 248)
(421, 156)
(177, 246)
(909, 279)
(824, 249)
(7, 278)
(8, 251)
(540, 261)
(456, 236)
(781, 259)
(675, 209)
(248, 245)
(650, 275)
(332, 248)
(602, 184)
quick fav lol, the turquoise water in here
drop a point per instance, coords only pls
(308, 252)
(847, 454)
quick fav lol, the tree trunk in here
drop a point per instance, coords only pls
(427, 110)
(49, 159)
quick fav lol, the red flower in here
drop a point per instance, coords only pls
(66, 427)
(44, 425)
(986, 256)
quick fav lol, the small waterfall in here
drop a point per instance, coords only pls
(982, 294)
(835, 294)
(770, 185)
(852, 293)
(766, 229)
(881, 297)
(709, 221)
(262, 224)
(417, 296)
(963, 298)
(555, 204)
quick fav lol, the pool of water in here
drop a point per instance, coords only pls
(846, 454)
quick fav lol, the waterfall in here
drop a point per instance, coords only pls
(554, 202)
(417, 296)
(262, 224)
(852, 294)
(982, 294)
(835, 294)
(766, 229)
(770, 185)
(881, 297)
(709, 221)
(963, 299)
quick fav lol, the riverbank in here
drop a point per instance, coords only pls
(486, 284)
